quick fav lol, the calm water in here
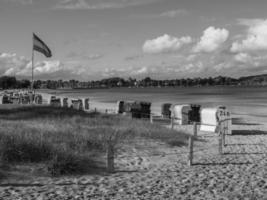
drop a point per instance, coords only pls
(241, 100)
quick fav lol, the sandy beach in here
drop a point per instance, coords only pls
(133, 100)
(161, 172)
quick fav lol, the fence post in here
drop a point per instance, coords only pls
(95, 110)
(223, 136)
(191, 149)
(110, 158)
(151, 118)
(220, 138)
(172, 123)
(195, 129)
(106, 111)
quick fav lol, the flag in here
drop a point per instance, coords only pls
(40, 46)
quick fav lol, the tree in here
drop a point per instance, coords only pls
(8, 82)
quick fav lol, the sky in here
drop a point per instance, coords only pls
(163, 39)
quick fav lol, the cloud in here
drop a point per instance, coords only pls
(97, 4)
(174, 13)
(23, 2)
(14, 65)
(166, 14)
(47, 67)
(165, 44)
(93, 56)
(211, 40)
(248, 22)
(243, 58)
(142, 70)
(84, 55)
(256, 38)
(132, 57)
(10, 63)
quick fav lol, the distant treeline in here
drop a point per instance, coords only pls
(11, 82)
(8, 82)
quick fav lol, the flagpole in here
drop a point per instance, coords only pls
(32, 67)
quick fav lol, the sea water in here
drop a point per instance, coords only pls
(240, 100)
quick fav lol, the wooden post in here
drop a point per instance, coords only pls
(195, 129)
(95, 110)
(172, 123)
(151, 118)
(220, 139)
(220, 144)
(110, 158)
(223, 140)
(224, 133)
(190, 147)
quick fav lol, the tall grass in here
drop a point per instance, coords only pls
(66, 139)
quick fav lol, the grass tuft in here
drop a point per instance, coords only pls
(69, 141)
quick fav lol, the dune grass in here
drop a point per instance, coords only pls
(69, 141)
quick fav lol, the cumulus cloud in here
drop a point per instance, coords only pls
(98, 5)
(14, 65)
(10, 63)
(165, 44)
(211, 40)
(256, 38)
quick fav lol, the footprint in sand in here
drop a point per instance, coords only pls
(140, 160)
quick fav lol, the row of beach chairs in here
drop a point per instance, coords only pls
(180, 114)
(77, 104)
(28, 97)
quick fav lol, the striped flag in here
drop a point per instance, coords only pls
(40, 46)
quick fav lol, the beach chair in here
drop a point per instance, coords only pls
(194, 114)
(145, 109)
(166, 110)
(120, 107)
(86, 104)
(65, 102)
(180, 114)
(136, 110)
(76, 104)
(5, 99)
(38, 99)
(212, 117)
(127, 106)
(55, 102)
